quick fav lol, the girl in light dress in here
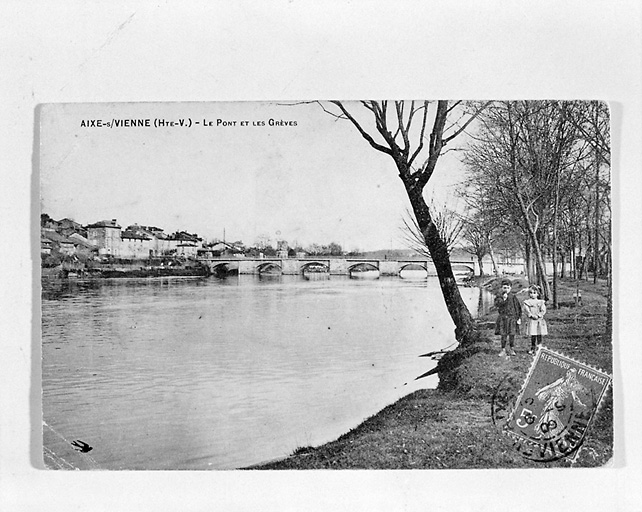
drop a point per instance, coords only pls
(534, 309)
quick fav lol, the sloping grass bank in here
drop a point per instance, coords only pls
(452, 427)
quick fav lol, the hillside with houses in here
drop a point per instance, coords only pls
(106, 249)
(68, 247)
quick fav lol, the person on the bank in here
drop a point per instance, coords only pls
(534, 310)
(509, 319)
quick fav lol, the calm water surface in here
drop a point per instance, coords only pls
(220, 374)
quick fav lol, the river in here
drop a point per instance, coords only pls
(222, 373)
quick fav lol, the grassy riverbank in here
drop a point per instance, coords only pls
(451, 427)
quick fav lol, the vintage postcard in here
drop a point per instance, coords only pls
(326, 285)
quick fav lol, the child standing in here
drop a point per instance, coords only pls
(510, 312)
(535, 309)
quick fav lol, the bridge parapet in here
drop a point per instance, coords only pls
(337, 266)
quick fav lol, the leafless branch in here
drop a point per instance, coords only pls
(313, 102)
(421, 135)
(363, 133)
(470, 120)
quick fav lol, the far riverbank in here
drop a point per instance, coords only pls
(451, 426)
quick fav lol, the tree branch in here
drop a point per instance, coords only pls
(470, 120)
(363, 133)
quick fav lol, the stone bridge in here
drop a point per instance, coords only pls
(334, 266)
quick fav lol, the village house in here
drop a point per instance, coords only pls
(67, 227)
(157, 243)
(136, 245)
(56, 241)
(183, 244)
(106, 235)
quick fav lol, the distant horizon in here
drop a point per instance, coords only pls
(227, 239)
(252, 244)
(316, 181)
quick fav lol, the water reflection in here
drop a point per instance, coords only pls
(222, 373)
(411, 272)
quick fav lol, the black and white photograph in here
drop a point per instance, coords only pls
(303, 255)
(321, 284)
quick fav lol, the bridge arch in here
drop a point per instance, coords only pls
(364, 265)
(364, 270)
(315, 266)
(269, 267)
(418, 268)
(222, 269)
(463, 267)
(413, 266)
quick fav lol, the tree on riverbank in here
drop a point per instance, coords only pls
(449, 224)
(544, 166)
(592, 120)
(529, 158)
(399, 129)
(478, 235)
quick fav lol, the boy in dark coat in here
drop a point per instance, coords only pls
(510, 312)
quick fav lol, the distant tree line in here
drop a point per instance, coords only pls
(267, 249)
(538, 180)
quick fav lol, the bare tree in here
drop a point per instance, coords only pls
(449, 224)
(400, 129)
(592, 120)
(482, 223)
(478, 237)
(524, 154)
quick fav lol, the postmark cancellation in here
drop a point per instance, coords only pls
(550, 416)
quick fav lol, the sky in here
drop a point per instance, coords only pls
(239, 177)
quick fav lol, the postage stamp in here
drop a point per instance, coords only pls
(548, 419)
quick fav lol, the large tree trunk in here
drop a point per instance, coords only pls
(397, 144)
(464, 325)
(480, 260)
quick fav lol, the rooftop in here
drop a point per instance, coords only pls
(105, 224)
